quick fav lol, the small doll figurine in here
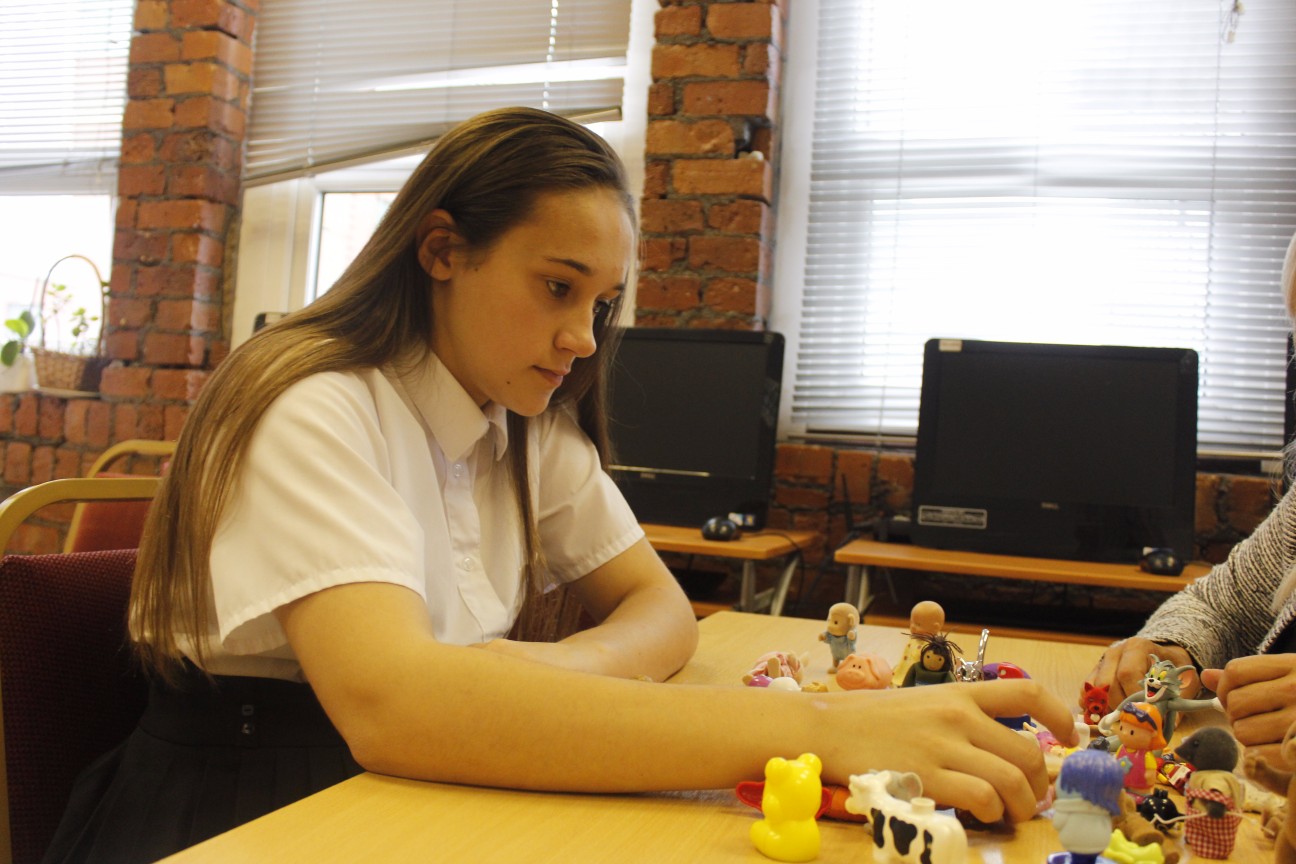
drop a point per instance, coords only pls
(1139, 731)
(1214, 795)
(843, 618)
(791, 799)
(771, 665)
(865, 671)
(1093, 703)
(1088, 797)
(935, 662)
(927, 618)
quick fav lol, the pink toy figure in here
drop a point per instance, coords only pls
(792, 797)
(771, 665)
(906, 830)
(1139, 731)
(927, 618)
(865, 671)
(843, 618)
(1088, 797)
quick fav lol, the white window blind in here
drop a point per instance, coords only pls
(336, 81)
(62, 92)
(1079, 171)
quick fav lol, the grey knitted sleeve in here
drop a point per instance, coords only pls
(1227, 613)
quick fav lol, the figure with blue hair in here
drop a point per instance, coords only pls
(1089, 789)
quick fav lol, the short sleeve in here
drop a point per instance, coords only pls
(583, 519)
(313, 507)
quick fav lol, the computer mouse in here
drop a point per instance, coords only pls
(720, 528)
(1163, 562)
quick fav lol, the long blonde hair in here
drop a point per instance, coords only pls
(487, 173)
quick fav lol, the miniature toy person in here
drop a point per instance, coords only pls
(1213, 794)
(1139, 731)
(773, 665)
(927, 618)
(1088, 797)
(935, 662)
(843, 618)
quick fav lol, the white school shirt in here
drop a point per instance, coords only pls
(368, 477)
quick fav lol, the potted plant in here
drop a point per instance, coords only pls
(16, 374)
(78, 369)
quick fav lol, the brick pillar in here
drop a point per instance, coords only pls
(710, 166)
(179, 189)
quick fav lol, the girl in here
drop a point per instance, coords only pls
(367, 493)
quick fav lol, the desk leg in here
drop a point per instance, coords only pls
(857, 587)
(747, 594)
(780, 595)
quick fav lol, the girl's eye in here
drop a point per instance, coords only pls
(557, 289)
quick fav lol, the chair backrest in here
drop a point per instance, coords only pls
(68, 689)
(100, 525)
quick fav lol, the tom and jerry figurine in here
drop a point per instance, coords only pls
(790, 801)
(1162, 685)
(843, 619)
(927, 618)
(1088, 797)
(1214, 796)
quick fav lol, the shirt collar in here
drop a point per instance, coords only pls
(453, 419)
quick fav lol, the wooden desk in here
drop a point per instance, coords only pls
(751, 549)
(859, 555)
(375, 818)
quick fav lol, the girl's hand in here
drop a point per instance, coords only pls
(947, 734)
(1259, 698)
(1123, 665)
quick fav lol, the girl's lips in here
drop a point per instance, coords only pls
(555, 379)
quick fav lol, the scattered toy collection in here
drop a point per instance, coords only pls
(1109, 802)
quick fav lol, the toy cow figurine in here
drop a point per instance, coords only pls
(906, 831)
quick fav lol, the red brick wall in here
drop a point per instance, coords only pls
(179, 190)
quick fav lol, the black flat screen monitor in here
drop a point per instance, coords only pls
(693, 416)
(1056, 451)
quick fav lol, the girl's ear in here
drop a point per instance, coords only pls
(437, 238)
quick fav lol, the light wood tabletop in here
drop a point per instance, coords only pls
(383, 819)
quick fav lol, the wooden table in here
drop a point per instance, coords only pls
(382, 819)
(751, 549)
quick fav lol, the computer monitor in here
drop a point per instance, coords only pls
(693, 416)
(1056, 451)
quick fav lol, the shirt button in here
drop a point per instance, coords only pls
(458, 469)
(467, 563)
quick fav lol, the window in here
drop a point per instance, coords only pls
(62, 92)
(1088, 172)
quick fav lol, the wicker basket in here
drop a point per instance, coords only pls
(59, 370)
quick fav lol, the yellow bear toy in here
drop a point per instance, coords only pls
(792, 797)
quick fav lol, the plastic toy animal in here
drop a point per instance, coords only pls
(843, 619)
(867, 671)
(1141, 833)
(906, 831)
(1088, 796)
(792, 797)
(1160, 810)
(1093, 703)
(1161, 687)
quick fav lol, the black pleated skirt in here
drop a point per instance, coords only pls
(205, 758)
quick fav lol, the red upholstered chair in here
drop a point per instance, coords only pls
(68, 689)
(113, 524)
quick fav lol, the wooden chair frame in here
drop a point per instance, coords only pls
(13, 512)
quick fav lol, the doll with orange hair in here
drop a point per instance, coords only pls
(1139, 730)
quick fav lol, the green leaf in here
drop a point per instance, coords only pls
(9, 353)
(19, 326)
(28, 318)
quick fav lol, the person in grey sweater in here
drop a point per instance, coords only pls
(1234, 625)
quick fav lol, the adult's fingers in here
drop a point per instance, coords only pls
(1025, 696)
